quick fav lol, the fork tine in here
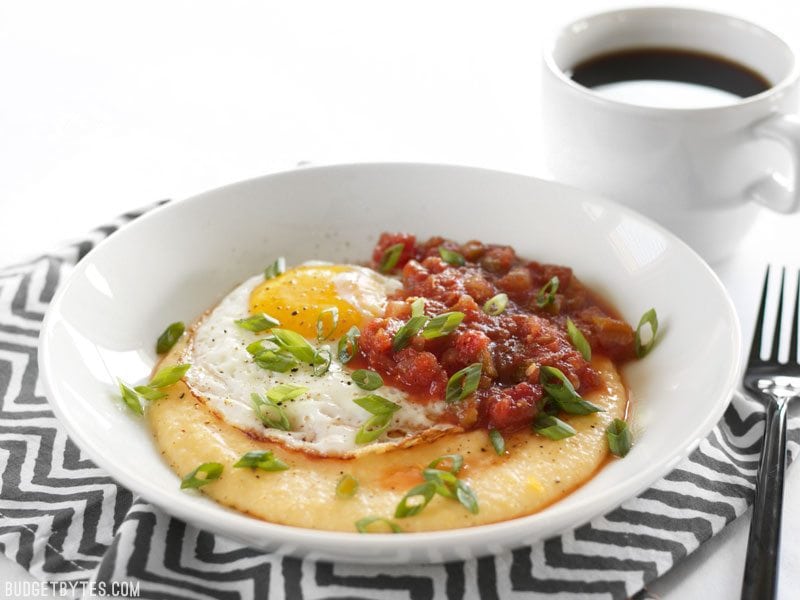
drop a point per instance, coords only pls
(755, 347)
(795, 324)
(776, 336)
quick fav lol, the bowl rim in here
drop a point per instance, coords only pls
(232, 523)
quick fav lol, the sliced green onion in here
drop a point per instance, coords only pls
(619, 438)
(463, 383)
(547, 294)
(404, 335)
(210, 471)
(275, 269)
(168, 376)
(278, 361)
(579, 341)
(169, 338)
(445, 481)
(295, 344)
(321, 362)
(650, 318)
(442, 325)
(363, 525)
(257, 323)
(270, 413)
(451, 257)
(261, 459)
(498, 443)
(418, 307)
(366, 379)
(347, 486)
(377, 405)
(373, 428)
(390, 257)
(149, 393)
(130, 398)
(330, 314)
(283, 392)
(257, 347)
(496, 305)
(466, 497)
(348, 345)
(415, 500)
(456, 462)
(563, 393)
(553, 428)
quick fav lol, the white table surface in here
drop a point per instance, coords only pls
(107, 106)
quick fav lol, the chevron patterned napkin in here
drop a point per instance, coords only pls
(63, 519)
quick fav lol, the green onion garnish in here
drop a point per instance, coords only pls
(169, 338)
(278, 361)
(270, 413)
(411, 328)
(381, 410)
(463, 383)
(149, 393)
(619, 437)
(275, 269)
(467, 497)
(415, 500)
(348, 345)
(366, 379)
(579, 341)
(390, 257)
(650, 318)
(168, 376)
(496, 305)
(445, 481)
(456, 461)
(377, 405)
(283, 392)
(331, 315)
(498, 443)
(362, 525)
(321, 362)
(261, 459)
(373, 428)
(347, 486)
(451, 257)
(442, 325)
(560, 389)
(295, 344)
(553, 427)
(210, 471)
(130, 398)
(418, 307)
(257, 323)
(547, 294)
(449, 486)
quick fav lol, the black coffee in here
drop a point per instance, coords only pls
(669, 77)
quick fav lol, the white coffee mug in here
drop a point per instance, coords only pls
(701, 172)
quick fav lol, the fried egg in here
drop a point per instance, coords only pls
(324, 419)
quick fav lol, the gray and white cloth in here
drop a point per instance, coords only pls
(64, 519)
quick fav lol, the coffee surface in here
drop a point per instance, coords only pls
(669, 77)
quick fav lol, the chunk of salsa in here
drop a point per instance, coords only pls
(511, 347)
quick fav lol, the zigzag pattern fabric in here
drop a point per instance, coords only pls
(63, 519)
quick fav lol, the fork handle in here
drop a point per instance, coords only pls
(763, 545)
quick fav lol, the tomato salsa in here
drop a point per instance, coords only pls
(522, 329)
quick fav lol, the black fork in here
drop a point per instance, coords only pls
(775, 384)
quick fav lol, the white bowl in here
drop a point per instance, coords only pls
(180, 259)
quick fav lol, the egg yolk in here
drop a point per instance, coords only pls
(297, 297)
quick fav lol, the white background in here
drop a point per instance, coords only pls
(105, 106)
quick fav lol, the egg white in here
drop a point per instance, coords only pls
(324, 420)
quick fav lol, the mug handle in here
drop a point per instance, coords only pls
(771, 191)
